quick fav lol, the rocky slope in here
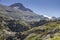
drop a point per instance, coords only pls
(11, 29)
(18, 11)
(14, 24)
(20, 14)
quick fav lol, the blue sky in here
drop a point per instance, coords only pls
(41, 7)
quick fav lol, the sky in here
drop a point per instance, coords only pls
(41, 7)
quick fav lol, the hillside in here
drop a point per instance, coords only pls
(49, 31)
(20, 23)
(11, 29)
(19, 13)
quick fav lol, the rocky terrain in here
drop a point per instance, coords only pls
(20, 23)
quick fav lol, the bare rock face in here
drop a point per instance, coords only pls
(18, 11)
(20, 6)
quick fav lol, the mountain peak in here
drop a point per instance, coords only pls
(17, 5)
(20, 6)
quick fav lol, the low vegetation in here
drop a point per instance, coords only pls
(11, 29)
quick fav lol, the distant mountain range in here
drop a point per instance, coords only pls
(18, 11)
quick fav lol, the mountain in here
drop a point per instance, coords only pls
(20, 6)
(58, 18)
(14, 25)
(19, 30)
(19, 12)
(53, 18)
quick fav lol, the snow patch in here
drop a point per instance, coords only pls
(47, 16)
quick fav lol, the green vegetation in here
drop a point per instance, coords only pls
(49, 31)
(19, 30)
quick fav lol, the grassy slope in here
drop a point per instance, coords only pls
(48, 31)
(51, 32)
